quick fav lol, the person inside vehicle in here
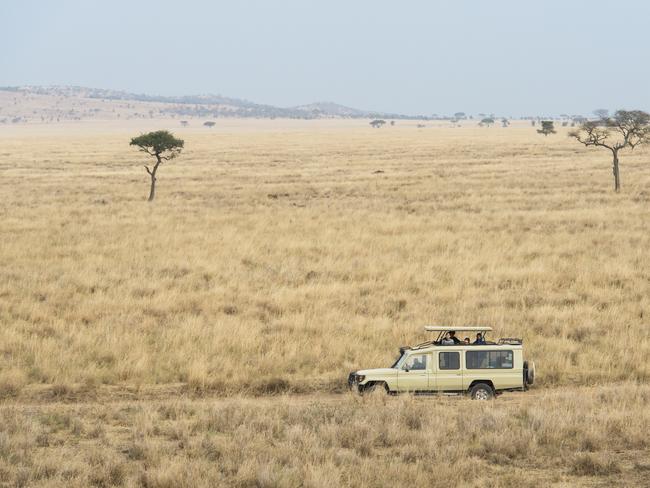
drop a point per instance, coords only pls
(447, 340)
(466, 340)
(479, 339)
(452, 336)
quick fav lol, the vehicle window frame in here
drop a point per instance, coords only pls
(506, 351)
(398, 364)
(440, 353)
(426, 362)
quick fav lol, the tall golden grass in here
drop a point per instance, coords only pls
(281, 260)
(582, 437)
(275, 260)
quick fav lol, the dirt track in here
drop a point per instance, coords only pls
(43, 395)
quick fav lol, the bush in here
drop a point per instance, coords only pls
(590, 465)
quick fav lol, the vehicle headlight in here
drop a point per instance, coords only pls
(360, 378)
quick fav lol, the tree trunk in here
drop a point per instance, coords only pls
(152, 191)
(617, 177)
(152, 173)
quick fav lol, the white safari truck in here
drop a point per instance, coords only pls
(451, 364)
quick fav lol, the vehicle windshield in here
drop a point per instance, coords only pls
(398, 363)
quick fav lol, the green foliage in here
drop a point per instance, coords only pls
(160, 144)
(547, 127)
(486, 121)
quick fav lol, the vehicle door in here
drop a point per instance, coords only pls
(449, 375)
(414, 373)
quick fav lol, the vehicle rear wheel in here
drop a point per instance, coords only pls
(529, 372)
(481, 391)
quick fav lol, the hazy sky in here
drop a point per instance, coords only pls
(510, 57)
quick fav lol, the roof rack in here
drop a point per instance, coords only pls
(447, 328)
(511, 340)
(443, 329)
(421, 345)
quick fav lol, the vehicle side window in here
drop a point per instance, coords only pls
(488, 359)
(449, 360)
(416, 363)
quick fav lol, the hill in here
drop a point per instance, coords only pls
(21, 104)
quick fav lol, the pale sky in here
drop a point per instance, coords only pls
(509, 57)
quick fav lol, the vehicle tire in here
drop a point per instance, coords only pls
(379, 388)
(481, 391)
(529, 372)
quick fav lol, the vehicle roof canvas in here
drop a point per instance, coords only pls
(440, 328)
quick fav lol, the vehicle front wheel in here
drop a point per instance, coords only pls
(375, 388)
(481, 391)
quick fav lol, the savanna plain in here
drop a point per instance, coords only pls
(204, 339)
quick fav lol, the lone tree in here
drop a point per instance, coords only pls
(486, 121)
(209, 124)
(547, 128)
(624, 129)
(377, 123)
(161, 145)
(505, 122)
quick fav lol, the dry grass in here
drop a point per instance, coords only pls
(559, 438)
(283, 260)
(277, 261)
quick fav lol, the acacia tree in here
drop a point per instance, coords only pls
(601, 113)
(624, 129)
(548, 127)
(377, 123)
(486, 121)
(161, 145)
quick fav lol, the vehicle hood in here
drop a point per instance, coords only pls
(377, 372)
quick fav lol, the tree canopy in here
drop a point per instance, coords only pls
(548, 127)
(160, 144)
(486, 121)
(625, 129)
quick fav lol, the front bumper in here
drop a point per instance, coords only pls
(354, 381)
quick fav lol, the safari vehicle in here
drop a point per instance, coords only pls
(480, 370)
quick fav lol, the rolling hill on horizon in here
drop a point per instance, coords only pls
(19, 104)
